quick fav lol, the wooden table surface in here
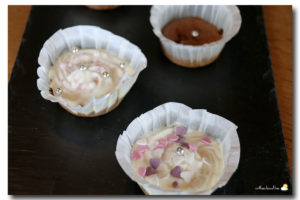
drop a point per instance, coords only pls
(278, 20)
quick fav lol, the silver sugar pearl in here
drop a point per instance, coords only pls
(105, 74)
(180, 151)
(58, 91)
(195, 33)
(75, 50)
(82, 67)
(122, 65)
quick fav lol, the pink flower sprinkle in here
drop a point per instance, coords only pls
(142, 148)
(192, 147)
(176, 171)
(173, 137)
(175, 184)
(150, 171)
(181, 130)
(158, 147)
(135, 155)
(185, 145)
(162, 143)
(205, 140)
(181, 139)
(155, 162)
(142, 171)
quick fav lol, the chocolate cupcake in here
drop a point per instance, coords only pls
(194, 36)
(88, 70)
(191, 31)
(102, 7)
(174, 149)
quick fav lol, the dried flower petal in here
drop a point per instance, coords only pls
(158, 147)
(205, 140)
(135, 155)
(185, 145)
(181, 130)
(142, 171)
(181, 139)
(173, 137)
(142, 148)
(162, 143)
(155, 162)
(176, 171)
(192, 147)
(175, 184)
(150, 171)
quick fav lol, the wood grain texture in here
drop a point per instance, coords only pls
(17, 20)
(278, 20)
(279, 25)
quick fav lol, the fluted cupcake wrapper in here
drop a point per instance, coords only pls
(227, 18)
(170, 113)
(93, 37)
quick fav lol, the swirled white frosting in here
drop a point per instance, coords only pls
(201, 166)
(87, 73)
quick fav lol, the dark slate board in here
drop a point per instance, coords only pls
(53, 152)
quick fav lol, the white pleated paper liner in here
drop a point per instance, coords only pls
(227, 18)
(170, 113)
(85, 37)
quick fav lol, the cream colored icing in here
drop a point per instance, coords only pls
(79, 85)
(200, 168)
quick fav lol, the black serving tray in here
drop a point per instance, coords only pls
(54, 152)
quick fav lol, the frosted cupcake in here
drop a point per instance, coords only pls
(88, 70)
(194, 36)
(173, 149)
(178, 158)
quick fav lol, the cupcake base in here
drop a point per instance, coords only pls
(225, 18)
(189, 64)
(103, 7)
(93, 114)
(170, 113)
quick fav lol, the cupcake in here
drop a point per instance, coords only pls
(102, 7)
(88, 70)
(174, 149)
(194, 36)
